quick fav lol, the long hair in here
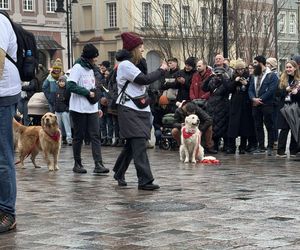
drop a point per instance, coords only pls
(284, 79)
(136, 56)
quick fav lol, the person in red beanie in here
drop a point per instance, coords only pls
(134, 116)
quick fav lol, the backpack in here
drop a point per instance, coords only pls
(27, 55)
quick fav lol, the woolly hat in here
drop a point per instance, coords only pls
(191, 61)
(106, 64)
(219, 70)
(89, 51)
(239, 64)
(130, 40)
(62, 78)
(163, 100)
(260, 59)
(272, 61)
(296, 58)
(57, 64)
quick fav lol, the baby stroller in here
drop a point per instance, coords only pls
(167, 141)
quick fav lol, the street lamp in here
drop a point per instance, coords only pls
(225, 30)
(68, 11)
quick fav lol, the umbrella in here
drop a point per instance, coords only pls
(291, 113)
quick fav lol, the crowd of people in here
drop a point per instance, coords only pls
(232, 100)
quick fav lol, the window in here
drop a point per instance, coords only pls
(112, 57)
(4, 4)
(111, 14)
(167, 11)
(281, 23)
(185, 16)
(51, 5)
(28, 5)
(146, 14)
(292, 26)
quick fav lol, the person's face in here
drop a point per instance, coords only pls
(172, 64)
(200, 66)
(251, 69)
(257, 68)
(141, 49)
(94, 60)
(56, 71)
(219, 60)
(61, 83)
(240, 71)
(106, 74)
(290, 69)
(188, 68)
(102, 68)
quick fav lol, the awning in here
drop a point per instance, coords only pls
(47, 43)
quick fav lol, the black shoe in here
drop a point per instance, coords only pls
(104, 142)
(230, 151)
(78, 168)
(269, 151)
(87, 143)
(259, 151)
(121, 143)
(251, 149)
(149, 186)
(210, 151)
(100, 169)
(7, 222)
(242, 151)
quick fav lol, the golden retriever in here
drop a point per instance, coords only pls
(46, 138)
(190, 148)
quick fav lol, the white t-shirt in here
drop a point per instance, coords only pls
(84, 78)
(10, 83)
(127, 71)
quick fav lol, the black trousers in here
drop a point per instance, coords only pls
(86, 123)
(282, 140)
(263, 114)
(136, 149)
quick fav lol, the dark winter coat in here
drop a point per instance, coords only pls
(184, 89)
(240, 112)
(62, 98)
(218, 103)
(205, 119)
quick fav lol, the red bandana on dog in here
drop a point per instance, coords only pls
(187, 134)
(54, 137)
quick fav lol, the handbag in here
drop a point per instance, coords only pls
(141, 101)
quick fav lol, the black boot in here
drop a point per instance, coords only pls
(100, 169)
(109, 142)
(104, 142)
(78, 168)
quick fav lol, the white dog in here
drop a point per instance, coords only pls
(190, 148)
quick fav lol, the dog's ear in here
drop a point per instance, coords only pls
(42, 121)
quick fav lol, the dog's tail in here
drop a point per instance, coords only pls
(18, 127)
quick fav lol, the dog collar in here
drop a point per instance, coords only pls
(187, 134)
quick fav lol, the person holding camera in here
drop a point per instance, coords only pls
(218, 104)
(240, 118)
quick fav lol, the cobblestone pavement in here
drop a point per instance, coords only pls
(246, 202)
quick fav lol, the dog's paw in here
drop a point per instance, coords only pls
(56, 168)
(186, 161)
(193, 161)
(50, 168)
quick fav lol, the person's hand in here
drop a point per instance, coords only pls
(164, 66)
(100, 113)
(104, 101)
(92, 94)
(243, 81)
(181, 80)
(237, 79)
(257, 102)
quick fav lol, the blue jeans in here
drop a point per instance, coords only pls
(8, 188)
(65, 124)
(106, 126)
(23, 108)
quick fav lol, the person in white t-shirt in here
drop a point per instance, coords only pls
(83, 108)
(134, 120)
(10, 89)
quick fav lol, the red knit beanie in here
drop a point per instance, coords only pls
(130, 40)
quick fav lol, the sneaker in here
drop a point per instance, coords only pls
(259, 151)
(281, 155)
(269, 151)
(7, 222)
